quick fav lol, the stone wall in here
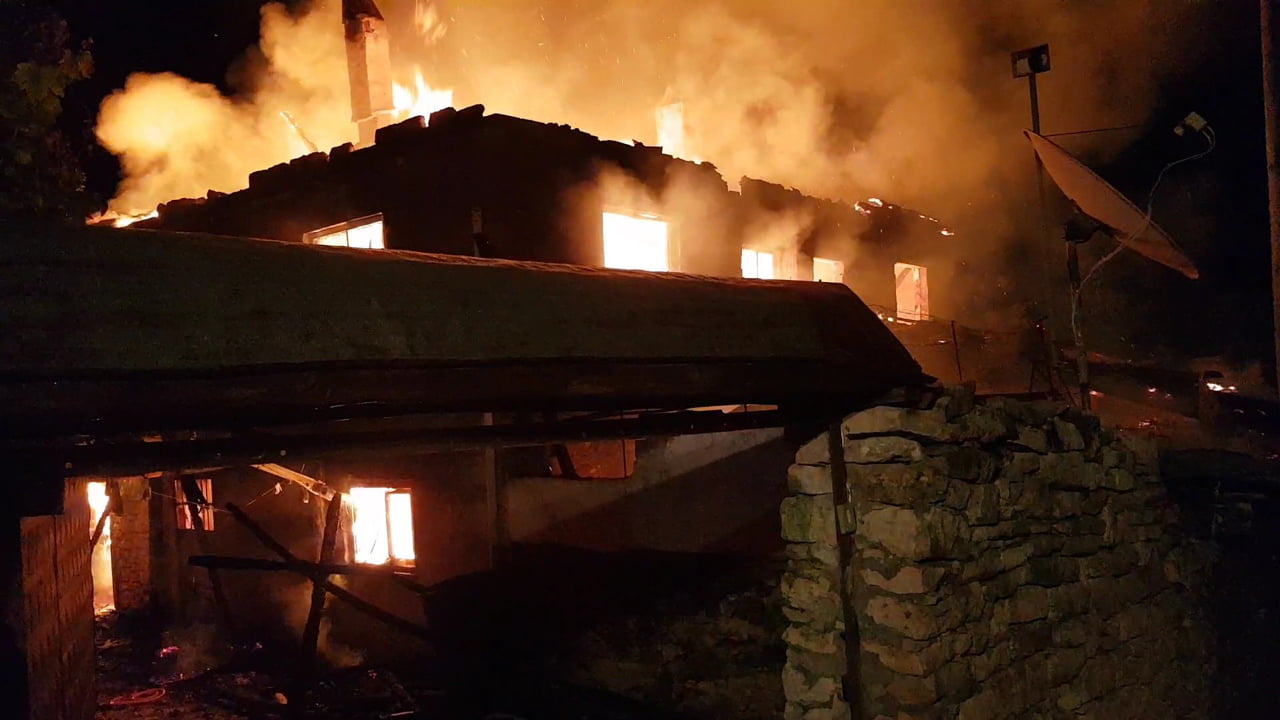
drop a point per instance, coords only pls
(1002, 559)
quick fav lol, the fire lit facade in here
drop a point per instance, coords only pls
(500, 186)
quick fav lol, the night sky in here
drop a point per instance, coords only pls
(1226, 191)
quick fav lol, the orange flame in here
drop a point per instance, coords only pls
(419, 99)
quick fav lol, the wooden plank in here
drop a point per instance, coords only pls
(308, 483)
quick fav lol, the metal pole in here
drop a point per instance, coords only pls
(1035, 110)
(1073, 265)
(1269, 92)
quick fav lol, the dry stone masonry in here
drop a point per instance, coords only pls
(1008, 559)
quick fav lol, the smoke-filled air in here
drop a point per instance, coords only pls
(910, 100)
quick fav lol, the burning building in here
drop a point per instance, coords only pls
(262, 368)
(466, 183)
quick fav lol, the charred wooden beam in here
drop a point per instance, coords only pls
(307, 570)
(311, 632)
(234, 399)
(133, 458)
(225, 562)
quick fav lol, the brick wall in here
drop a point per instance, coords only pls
(1000, 559)
(57, 610)
(131, 547)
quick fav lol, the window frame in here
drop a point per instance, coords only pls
(837, 264)
(673, 253)
(391, 489)
(183, 506)
(311, 237)
(774, 258)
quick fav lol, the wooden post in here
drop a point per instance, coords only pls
(955, 344)
(1270, 107)
(311, 633)
(844, 574)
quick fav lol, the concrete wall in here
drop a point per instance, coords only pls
(1001, 559)
(691, 493)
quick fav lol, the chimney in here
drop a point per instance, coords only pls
(368, 67)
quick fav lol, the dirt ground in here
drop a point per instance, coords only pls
(561, 634)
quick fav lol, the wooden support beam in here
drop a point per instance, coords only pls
(225, 562)
(306, 569)
(311, 632)
(256, 449)
(845, 574)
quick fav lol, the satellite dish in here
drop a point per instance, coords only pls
(1097, 199)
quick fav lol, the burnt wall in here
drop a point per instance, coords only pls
(541, 188)
(1000, 559)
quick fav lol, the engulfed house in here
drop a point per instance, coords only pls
(471, 184)
(467, 183)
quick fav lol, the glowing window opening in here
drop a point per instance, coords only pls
(365, 233)
(100, 569)
(757, 264)
(670, 120)
(831, 271)
(381, 525)
(912, 283)
(635, 243)
(185, 521)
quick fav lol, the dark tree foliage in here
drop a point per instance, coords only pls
(40, 172)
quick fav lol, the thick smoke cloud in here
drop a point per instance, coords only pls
(910, 100)
(178, 138)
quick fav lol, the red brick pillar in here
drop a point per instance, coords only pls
(131, 547)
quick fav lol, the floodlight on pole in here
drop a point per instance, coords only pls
(1028, 63)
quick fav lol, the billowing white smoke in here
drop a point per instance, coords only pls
(178, 138)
